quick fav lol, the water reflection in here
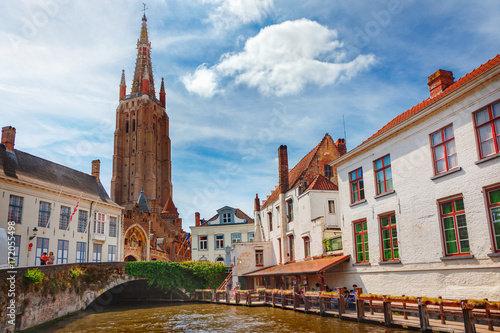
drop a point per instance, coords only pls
(206, 318)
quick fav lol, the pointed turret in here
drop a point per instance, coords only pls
(162, 94)
(143, 62)
(123, 86)
(169, 210)
(143, 203)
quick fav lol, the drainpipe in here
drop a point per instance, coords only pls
(88, 232)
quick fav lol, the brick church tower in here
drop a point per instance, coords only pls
(141, 158)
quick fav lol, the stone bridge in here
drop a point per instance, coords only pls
(24, 306)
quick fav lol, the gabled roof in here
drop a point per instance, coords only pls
(239, 213)
(422, 105)
(41, 172)
(295, 174)
(322, 183)
(169, 207)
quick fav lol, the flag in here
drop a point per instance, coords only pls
(76, 208)
(188, 239)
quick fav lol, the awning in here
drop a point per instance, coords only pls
(303, 267)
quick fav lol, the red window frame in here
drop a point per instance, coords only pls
(444, 143)
(270, 219)
(385, 169)
(494, 206)
(307, 247)
(393, 239)
(493, 121)
(360, 189)
(364, 235)
(454, 214)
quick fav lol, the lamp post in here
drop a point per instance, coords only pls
(35, 231)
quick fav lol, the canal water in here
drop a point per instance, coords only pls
(196, 317)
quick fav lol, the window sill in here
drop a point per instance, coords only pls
(357, 203)
(259, 265)
(381, 195)
(467, 256)
(449, 172)
(390, 262)
(362, 264)
(492, 255)
(486, 159)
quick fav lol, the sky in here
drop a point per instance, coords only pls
(242, 77)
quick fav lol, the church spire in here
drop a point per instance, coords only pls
(162, 93)
(123, 86)
(143, 61)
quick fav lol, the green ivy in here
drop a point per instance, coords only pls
(34, 276)
(188, 275)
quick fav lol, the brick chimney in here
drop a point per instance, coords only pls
(257, 203)
(96, 168)
(197, 219)
(283, 168)
(439, 81)
(341, 146)
(8, 137)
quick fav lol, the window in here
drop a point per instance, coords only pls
(357, 185)
(290, 242)
(62, 251)
(389, 233)
(219, 242)
(81, 252)
(15, 209)
(97, 254)
(361, 238)
(328, 171)
(383, 174)
(487, 123)
(64, 218)
(259, 257)
(494, 209)
(444, 153)
(456, 238)
(331, 206)
(219, 259)
(99, 223)
(270, 219)
(226, 217)
(17, 249)
(112, 226)
(307, 247)
(42, 245)
(203, 243)
(111, 253)
(235, 238)
(289, 210)
(126, 127)
(251, 236)
(44, 214)
(82, 221)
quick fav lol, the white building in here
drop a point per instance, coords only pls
(420, 199)
(212, 239)
(303, 229)
(37, 206)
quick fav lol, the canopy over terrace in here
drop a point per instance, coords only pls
(282, 273)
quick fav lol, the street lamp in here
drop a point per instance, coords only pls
(35, 231)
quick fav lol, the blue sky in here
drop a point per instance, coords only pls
(242, 77)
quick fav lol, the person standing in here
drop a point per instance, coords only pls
(51, 259)
(43, 259)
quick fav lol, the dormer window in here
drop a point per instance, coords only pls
(226, 218)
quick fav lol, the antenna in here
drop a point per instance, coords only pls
(144, 10)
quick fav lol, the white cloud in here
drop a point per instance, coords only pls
(231, 13)
(281, 60)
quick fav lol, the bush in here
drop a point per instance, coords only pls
(76, 272)
(33, 276)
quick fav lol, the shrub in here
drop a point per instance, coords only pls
(33, 276)
(76, 272)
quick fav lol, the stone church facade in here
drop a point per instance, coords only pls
(142, 181)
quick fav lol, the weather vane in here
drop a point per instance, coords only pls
(144, 10)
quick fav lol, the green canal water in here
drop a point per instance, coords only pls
(195, 317)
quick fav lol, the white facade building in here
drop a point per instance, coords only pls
(212, 239)
(420, 199)
(37, 208)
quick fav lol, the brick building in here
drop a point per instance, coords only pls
(141, 179)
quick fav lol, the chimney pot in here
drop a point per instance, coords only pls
(197, 219)
(8, 137)
(439, 81)
(283, 168)
(96, 168)
(341, 147)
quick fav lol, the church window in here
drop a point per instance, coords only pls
(126, 127)
(133, 125)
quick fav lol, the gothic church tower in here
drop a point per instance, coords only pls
(141, 158)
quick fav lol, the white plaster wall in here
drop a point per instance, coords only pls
(415, 203)
(243, 257)
(31, 204)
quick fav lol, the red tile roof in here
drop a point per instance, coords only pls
(303, 267)
(322, 183)
(422, 105)
(169, 207)
(295, 174)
